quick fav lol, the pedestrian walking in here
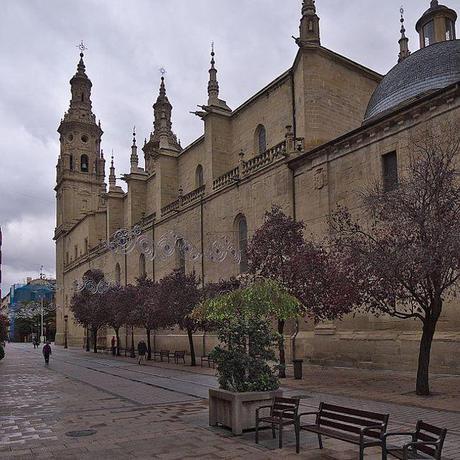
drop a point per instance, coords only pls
(47, 352)
(141, 351)
(35, 342)
(114, 347)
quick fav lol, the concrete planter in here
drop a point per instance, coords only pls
(237, 411)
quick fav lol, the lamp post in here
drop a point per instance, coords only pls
(42, 337)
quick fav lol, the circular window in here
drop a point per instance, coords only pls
(84, 138)
(70, 137)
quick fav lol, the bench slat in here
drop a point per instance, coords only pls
(357, 412)
(430, 428)
(347, 418)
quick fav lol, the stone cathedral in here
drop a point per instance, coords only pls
(306, 142)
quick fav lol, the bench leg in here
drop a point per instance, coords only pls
(280, 441)
(384, 452)
(257, 431)
(320, 441)
(361, 453)
(273, 431)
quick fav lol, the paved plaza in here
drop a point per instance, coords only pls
(87, 406)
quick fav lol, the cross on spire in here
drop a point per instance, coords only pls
(81, 46)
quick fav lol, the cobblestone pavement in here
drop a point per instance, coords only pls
(154, 411)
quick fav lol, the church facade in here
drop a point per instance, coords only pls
(307, 142)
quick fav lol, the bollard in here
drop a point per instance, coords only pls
(298, 368)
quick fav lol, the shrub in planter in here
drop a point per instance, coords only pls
(245, 357)
(242, 363)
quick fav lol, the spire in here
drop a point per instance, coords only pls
(80, 86)
(309, 25)
(403, 41)
(213, 85)
(112, 177)
(434, 3)
(162, 125)
(134, 157)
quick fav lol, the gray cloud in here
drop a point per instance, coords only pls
(128, 42)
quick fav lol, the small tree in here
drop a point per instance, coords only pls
(179, 293)
(270, 254)
(148, 309)
(406, 251)
(117, 311)
(243, 318)
(89, 307)
(4, 323)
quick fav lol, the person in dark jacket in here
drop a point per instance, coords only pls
(114, 347)
(141, 351)
(47, 352)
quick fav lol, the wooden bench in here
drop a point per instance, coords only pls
(283, 412)
(164, 354)
(359, 427)
(179, 355)
(207, 359)
(426, 442)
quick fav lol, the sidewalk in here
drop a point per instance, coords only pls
(377, 385)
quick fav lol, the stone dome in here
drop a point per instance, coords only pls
(428, 69)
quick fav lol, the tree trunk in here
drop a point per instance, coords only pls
(282, 366)
(423, 387)
(87, 339)
(117, 335)
(192, 348)
(149, 347)
(133, 353)
(95, 340)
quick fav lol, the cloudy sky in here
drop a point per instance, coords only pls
(128, 42)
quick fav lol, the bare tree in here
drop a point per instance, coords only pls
(406, 254)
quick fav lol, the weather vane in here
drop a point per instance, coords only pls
(81, 47)
(162, 71)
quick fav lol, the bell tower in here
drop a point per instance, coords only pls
(436, 25)
(80, 167)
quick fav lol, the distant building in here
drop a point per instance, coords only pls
(37, 290)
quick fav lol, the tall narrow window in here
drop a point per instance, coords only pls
(117, 274)
(71, 162)
(180, 251)
(450, 29)
(390, 171)
(242, 236)
(86, 245)
(261, 139)
(428, 33)
(199, 176)
(84, 163)
(142, 272)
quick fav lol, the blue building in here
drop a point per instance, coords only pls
(34, 291)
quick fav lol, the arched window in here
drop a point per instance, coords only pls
(199, 176)
(117, 274)
(260, 140)
(142, 271)
(428, 33)
(241, 228)
(84, 165)
(450, 29)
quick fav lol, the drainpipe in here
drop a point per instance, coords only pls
(202, 264)
(294, 211)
